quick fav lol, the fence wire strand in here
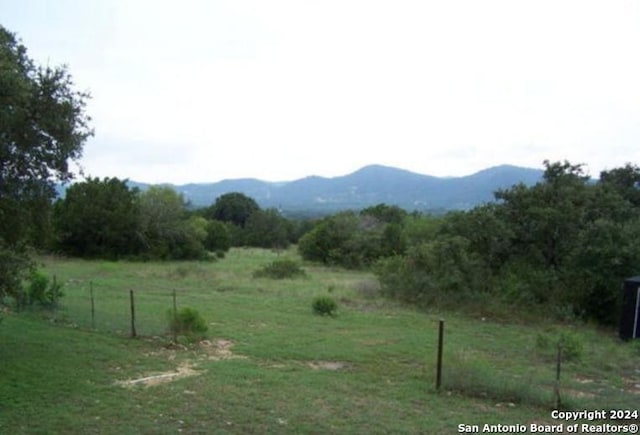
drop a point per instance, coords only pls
(111, 308)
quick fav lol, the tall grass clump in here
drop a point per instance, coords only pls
(475, 377)
(280, 269)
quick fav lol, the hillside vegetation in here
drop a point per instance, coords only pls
(560, 248)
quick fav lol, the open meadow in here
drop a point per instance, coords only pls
(269, 365)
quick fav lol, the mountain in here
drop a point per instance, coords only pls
(367, 186)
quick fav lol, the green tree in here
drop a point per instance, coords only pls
(165, 228)
(267, 229)
(327, 240)
(218, 237)
(43, 126)
(488, 234)
(444, 271)
(545, 219)
(419, 229)
(390, 214)
(625, 180)
(352, 240)
(233, 207)
(98, 218)
(606, 253)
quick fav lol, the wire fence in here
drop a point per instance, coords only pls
(103, 306)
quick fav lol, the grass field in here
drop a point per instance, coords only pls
(269, 365)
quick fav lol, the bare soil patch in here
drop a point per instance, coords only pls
(182, 371)
(218, 350)
(207, 350)
(327, 365)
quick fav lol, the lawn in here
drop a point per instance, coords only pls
(269, 365)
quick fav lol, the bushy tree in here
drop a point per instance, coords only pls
(326, 242)
(625, 180)
(443, 271)
(98, 218)
(166, 230)
(218, 238)
(546, 218)
(267, 229)
(390, 214)
(352, 240)
(234, 207)
(43, 126)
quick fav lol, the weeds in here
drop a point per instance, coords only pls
(473, 376)
(324, 306)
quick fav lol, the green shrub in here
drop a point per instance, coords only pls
(280, 269)
(324, 306)
(571, 343)
(40, 291)
(187, 322)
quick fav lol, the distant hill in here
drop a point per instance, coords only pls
(365, 187)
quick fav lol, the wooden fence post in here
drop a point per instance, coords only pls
(93, 306)
(133, 315)
(175, 318)
(439, 360)
(556, 386)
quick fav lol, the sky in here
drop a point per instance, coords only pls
(200, 91)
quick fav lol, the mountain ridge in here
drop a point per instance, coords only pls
(367, 186)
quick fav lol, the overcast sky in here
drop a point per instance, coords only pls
(197, 91)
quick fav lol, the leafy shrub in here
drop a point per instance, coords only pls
(280, 269)
(351, 240)
(188, 322)
(15, 266)
(324, 306)
(40, 291)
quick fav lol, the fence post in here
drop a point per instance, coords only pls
(93, 306)
(556, 386)
(55, 298)
(175, 318)
(133, 315)
(439, 360)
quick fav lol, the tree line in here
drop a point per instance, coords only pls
(563, 246)
(104, 218)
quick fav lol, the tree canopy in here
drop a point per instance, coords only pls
(98, 218)
(234, 207)
(43, 126)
